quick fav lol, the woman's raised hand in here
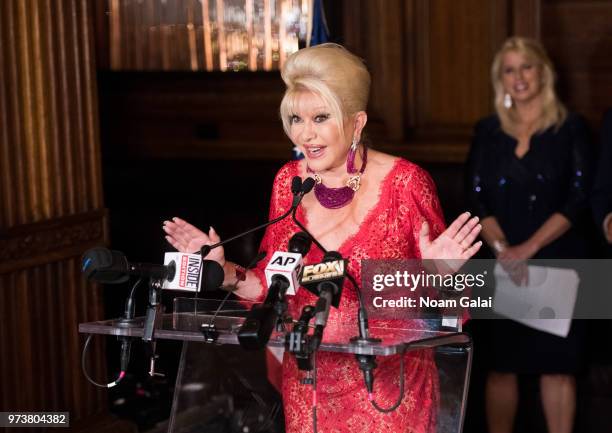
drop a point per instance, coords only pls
(454, 246)
(187, 238)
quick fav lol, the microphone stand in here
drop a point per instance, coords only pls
(367, 363)
(298, 195)
(153, 309)
(299, 342)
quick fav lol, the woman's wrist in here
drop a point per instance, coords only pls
(229, 279)
(499, 246)
(532, 247)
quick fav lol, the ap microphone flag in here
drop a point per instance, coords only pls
(287, 264)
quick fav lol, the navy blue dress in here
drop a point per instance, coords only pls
(602, 188)
(554, 176)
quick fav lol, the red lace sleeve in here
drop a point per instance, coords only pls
(418, 202)
(420, 192)
(280, 202)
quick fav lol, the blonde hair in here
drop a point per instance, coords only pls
(334, 74)
(553, 111)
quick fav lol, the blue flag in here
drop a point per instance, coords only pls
(320, 33)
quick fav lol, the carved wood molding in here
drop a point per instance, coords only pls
(30, 245)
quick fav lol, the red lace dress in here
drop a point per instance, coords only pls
(407, 198)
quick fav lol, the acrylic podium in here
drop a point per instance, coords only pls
(217, 377)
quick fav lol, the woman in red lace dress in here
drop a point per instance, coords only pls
(366, 204)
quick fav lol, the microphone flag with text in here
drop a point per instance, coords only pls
(282, 274)
(192, 273)
(331, 270)
(111, 267)
(180, 271)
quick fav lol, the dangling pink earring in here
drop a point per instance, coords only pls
(350, 158)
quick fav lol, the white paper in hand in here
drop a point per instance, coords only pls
(546, 303)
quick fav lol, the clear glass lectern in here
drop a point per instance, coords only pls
(220, 386)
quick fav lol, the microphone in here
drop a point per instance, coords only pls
(298, 189)
(329, 276)
(326, 290)
(308, 185)
(366, 363)
(331, 270)
(111, 267)
(257, 328)
(322, 307)
(288, 265)
(192, 273)
(282, 278)
(300, 243)
(296, 185)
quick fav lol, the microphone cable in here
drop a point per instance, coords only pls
(401, 388)
(89, 379)
(128, 315)
(314, 391)
(364, 333)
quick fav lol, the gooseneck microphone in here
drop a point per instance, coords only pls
(257, 328)
(307, 186)
(111, 267)
(367, 363)
(282, 277)
(298, 189)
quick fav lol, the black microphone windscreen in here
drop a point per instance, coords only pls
(105, 266)
(296, 185)
(308, 185)
(300, 243)
(212, 275)
(95, 258)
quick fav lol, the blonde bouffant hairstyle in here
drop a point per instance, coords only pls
(553, 111)
(331, 72)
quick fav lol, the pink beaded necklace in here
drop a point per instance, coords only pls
(335, 198)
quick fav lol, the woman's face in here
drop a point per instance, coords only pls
(521, 77)
(315, 132)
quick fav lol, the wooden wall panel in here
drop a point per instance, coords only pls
(48, 90)
(51, 209)
(386, 64)
(526, 16)
(456, 41)
(374, 30)
(578, 36)
(430, 63)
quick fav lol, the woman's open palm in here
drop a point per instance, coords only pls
(187, 238)
(454, 246)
